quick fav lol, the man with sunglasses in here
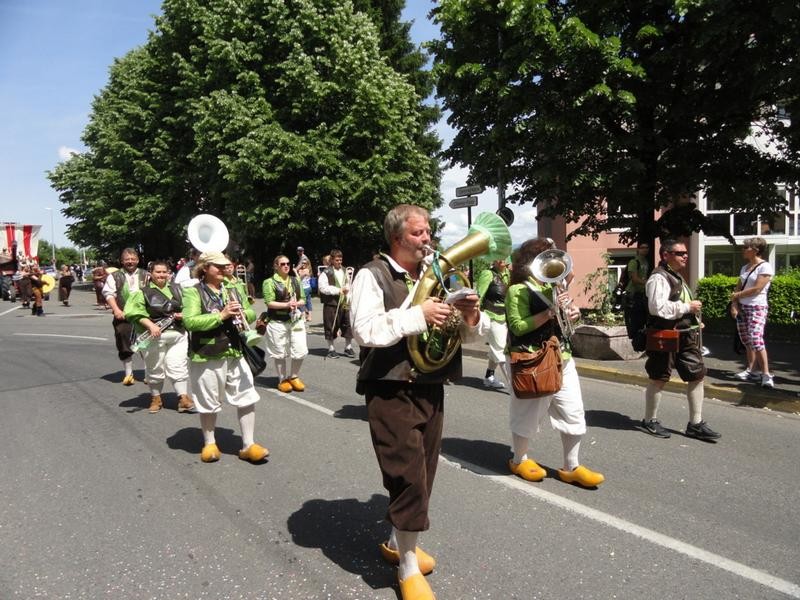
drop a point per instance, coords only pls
(671, 306)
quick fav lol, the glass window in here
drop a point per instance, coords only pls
(773, 225)
(745, 224)
(720, 223)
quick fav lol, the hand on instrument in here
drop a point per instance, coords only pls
(435, 311)
(695, 306)
(469, 307)
(232, 309)
(155, 331)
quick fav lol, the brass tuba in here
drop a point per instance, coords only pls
(488, 236)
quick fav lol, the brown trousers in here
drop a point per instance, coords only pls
(405, 421)
(123, 336)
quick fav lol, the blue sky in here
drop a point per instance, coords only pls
(54, 58)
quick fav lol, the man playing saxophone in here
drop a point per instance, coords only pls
(405, 407)
(155, 311)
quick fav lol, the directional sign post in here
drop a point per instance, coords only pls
(466, 198)
(469, 190)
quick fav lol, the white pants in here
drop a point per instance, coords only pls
(167, 357)
(565, 408)
(285, 338)
(497, 342)
(228, 379)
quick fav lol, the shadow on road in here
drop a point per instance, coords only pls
(490, 456)
(190, 439)
(356, 412)
(348, 533)
(609, 420)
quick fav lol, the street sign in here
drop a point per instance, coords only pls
(469, 190)
(467, 202)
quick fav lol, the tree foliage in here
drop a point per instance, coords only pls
(280, 117)
(601, 109)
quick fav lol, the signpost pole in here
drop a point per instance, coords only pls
(469, 224)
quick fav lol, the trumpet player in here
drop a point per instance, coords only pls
(492, 286)
(531, 317)
(155, 310)
(286, 328)
(334, 290)
(217, 370)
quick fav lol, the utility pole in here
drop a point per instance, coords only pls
(52, 236)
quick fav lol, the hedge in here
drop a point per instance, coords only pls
(784, 297)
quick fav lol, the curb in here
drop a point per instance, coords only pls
(776, 400)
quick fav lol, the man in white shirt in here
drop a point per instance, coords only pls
(117, 289)
(405, 408)
(334, 290)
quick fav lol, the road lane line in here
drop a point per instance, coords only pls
(715, 560)
(755, 575)
(10, 310)
(59, 335)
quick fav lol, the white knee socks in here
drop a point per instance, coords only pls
(520, 447)
(694, 394)
(128, 365)
(181, 387)
(247, 422)
(207, 423)
(407, 548)
(652, 397)
(296, 364)
(571, 445)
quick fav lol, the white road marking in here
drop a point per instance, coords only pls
(649, 535)
(10, 310)
(59, 335)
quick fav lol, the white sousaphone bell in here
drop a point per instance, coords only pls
(208, 233)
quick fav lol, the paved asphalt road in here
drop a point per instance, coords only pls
(103, 500)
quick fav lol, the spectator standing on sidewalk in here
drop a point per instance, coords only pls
(749, 306)
(635, 298)
(65, 281)
(492, 286)
(671, 306)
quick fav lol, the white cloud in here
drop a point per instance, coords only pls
(65, 152)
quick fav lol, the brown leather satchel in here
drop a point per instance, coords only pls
(535, 374)
(663, 340)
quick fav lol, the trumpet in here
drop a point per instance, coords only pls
(554, 266)
(143, 340)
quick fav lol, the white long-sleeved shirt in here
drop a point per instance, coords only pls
(375, 327)
(658, 290)
(330, 288)
(110, 286)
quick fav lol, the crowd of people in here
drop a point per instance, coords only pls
(188, 322)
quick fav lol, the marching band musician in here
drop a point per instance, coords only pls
(117, 289)
(217, 370)
(167, 354)
(405, 410)
(531, 321)
(492, 286)
(286, 329)
(36, 290)
(334, 288)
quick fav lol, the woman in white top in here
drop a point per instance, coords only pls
(749, 307)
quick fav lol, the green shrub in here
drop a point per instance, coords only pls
(784, 296)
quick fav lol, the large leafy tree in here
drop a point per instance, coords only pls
(595, 110)
(281, 117)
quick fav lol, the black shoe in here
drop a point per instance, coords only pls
(332, 354)
(702, 431)
(349, 352)
(654, 427)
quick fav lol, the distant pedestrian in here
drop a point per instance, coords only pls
(671, 306)
(749, 306)
(65, 281)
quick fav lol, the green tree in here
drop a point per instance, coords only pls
(281, 118)
(64, 255)
(597, 110)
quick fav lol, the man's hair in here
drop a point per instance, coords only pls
(758, 244)
(396, 219)
(335, 254)
(523, 257)
(668, 245)
(129, 251)
(156, 263)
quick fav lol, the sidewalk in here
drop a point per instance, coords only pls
(720, 383)
(722, 364)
